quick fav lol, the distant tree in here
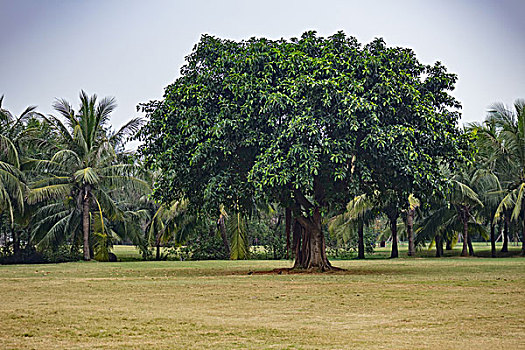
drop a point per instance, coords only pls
(302, 122)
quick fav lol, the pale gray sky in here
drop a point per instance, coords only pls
(132, 49)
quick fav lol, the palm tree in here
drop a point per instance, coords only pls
(168, 222)
(360, 211)
(453, 216)
(392, 212)
(491, 159)
(14, 134)
(491, 194)
(82, 173)
(511, 126)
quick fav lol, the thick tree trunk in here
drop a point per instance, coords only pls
(288, 225)
(505, 246)
(360, 240)
(310, 245)
(393, 229)
(309, 241)
(448, 244)
(464, 217)
(493, 240)
(85, 225)
(410, 232)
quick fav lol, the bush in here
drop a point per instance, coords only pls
(205, 247)
(30, 255)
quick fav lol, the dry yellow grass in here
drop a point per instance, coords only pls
(377, 304)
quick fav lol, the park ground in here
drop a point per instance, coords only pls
(407, 303)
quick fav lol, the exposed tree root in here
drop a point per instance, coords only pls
(296, 271)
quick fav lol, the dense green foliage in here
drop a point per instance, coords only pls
(278, 113)
(308, 123)
(267, 149)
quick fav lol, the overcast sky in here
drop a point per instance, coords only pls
(133, 49)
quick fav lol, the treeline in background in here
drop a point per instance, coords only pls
(70, 190)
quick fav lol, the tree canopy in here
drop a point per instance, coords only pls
(308, 122)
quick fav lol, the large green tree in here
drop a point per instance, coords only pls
(307, 122)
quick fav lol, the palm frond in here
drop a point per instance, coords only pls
(87, 176)
(61, 128)
(463, 193)
(80, 139)
(48, 193)
(413, 202)
(8, 151)
(108, 205)
(57, 231)
(507, 203)
(519, 201)
(127, 130)
(236, 228)
(358, 207)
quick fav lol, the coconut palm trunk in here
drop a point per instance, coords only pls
(505, 246)
(410, 232)
(157, 247)
(523, 242)
(85, 222)
(393, 228)
(522, 235)
(16, 242)
(493, 240)
(464, 217)
(360, 240)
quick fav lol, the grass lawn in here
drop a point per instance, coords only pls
(443, 303)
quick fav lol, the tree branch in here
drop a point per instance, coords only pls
(304, 221)
(302, 200)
